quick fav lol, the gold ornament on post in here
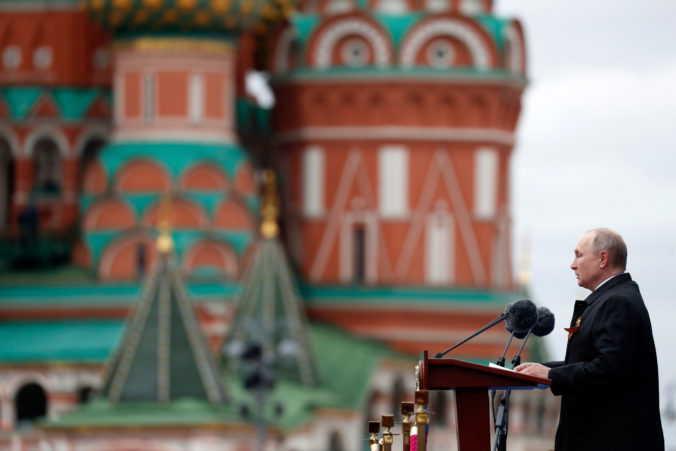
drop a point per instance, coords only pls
(269, 205)
(165, 243)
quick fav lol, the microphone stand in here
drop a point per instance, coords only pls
(487, 326)
(502, 417)
(516, 361)
(501, 422)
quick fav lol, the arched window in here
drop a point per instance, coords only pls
(85, 394)
(335, 442)
(6, 184)
(47, 167)
(30, 403)
(89, 155)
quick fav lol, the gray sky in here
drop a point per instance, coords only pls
(596, 147)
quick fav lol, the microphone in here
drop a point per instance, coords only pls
(522, 319)
(543, 326)
(513, 315)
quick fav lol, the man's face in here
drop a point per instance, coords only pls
(587, 264)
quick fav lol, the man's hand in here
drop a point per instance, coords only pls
(533, 369)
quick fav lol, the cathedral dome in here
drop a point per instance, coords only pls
(187, 15)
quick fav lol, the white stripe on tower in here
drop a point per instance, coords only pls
(333, 219)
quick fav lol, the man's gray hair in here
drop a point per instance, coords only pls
(611, 242)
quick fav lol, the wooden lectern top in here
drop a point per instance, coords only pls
(444, 374)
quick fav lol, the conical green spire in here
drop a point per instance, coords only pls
(270, 314)
(164, 355)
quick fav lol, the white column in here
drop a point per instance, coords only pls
(485, 183)
(393, 181)
(313, 182)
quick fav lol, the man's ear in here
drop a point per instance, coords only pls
(605, 259)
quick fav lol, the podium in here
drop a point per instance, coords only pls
(471, 383)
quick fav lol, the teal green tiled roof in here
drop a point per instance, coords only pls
(176, 157)
(20, 100)
(350, 295)
(346, 364)
(58, 341)
(34, 294)
(72, 102)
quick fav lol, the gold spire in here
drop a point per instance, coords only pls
(165, 243)
(269, 205)
(524, 276)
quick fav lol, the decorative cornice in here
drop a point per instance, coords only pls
(453, 76)
(174, 44)
(39, 5)
(462, 134)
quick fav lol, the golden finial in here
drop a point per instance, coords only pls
(269, 205)
(524, 276)
(165, 243)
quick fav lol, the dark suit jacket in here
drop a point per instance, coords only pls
(608, 382)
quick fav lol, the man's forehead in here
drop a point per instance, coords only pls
(584, 241)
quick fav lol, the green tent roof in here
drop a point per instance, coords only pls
(164, 356)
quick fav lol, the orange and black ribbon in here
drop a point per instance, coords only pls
(572, 330)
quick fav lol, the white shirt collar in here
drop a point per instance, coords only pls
(614, 275)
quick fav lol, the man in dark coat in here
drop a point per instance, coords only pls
(608, 382)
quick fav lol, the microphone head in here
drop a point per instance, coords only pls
(545, 322)
(520, 316)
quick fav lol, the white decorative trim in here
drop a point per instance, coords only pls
(118, 101)
(162, 135)
(283, 49)
(471, 7)
(46, 131)
(313, 171)
(486, 173)
(116, 444)
(438, 5)
(149, 97)
(11, 57)
(338, 6)
(455, 134)
(441, 171)
(348, 174)
(514, 62)
(196, 101)
(30, 377)
(446, 27)
(462, 213)
(43, 56)
(393, 186)
(440, 249)
(332, 34)
(392, 6)
(9, 136)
